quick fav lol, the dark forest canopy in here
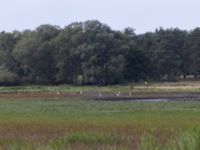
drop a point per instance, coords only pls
(91, 53)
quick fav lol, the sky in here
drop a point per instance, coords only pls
(142, 15)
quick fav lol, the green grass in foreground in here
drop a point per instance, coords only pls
(59, 124)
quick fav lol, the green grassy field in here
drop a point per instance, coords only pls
(164, 87)
(58, 124)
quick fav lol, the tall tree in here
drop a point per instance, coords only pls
(103, 60)
(35, 55)
(68, 44)
(170, 45)
(193, 52)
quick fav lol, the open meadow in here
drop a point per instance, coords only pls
(71, 122)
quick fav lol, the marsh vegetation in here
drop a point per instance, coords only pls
(81, 124)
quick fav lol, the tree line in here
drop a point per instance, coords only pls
(91, 53)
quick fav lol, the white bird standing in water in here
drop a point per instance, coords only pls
(100, 94)
(118, 93)
(58, 92)
(81, 92)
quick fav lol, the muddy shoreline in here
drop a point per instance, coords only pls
(152, 97)
(107, 96)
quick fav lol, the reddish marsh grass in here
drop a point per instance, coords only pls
(63, 124)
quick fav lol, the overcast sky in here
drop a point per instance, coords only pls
(143, 15)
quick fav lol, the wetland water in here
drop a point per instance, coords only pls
(152, 100)
(152, 97)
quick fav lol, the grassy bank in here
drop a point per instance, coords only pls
(164, 87)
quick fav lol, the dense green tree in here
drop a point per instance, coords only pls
(103, 57)
(193, 52)
(68, 45)
(138, 65)
(7, 64)
(147, 44)
(92, 53)
(35, 55)
(169, 47)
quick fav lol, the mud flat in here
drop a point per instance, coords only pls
(106, 96)
(151, 97)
